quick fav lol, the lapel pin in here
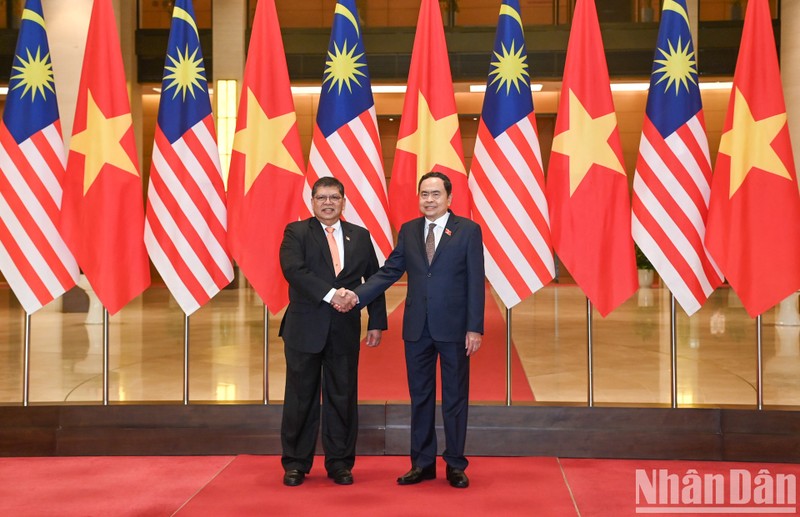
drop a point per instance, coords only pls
(448, 232)
(346, 238)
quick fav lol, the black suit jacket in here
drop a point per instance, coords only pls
(449, 294)
(308, 267)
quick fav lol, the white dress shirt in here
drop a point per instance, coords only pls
(337, 235)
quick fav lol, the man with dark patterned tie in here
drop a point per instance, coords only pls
(443, 256)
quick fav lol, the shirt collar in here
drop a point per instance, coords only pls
(336, 226)
(442, 221)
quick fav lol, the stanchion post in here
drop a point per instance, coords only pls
(185, 360)
(589, 353)
(673, 351)
(26, 373)
(105, 357)
(508, 357)
(759, 365)
(266, 356)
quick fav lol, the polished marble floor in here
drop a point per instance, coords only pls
(716, 351)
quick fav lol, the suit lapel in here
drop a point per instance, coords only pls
(420, 237)
(449, 231)
(318, 234)
(347, 242)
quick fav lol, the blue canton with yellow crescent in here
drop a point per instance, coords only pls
(31, 103)
(674, 90)
(508, 88)
(184, 89)
(346, 90)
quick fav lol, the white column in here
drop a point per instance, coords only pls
(67, 26)
(230, 24)
(790, 72)
(125, 13)
(693, 6)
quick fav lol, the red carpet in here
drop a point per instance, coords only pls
(246, 486)
(382, 370)
(141, 486)
(608, 487)
(251, 485)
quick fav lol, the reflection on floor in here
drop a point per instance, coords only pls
(716, 351)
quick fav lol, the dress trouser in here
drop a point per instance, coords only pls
(421, 368)
(338, 373)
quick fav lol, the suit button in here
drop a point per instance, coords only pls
(429, 275)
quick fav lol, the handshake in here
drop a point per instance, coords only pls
(344, 300)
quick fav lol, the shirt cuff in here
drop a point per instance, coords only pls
(329, 296)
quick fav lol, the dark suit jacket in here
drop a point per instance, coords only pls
(307, 265)
(449, 293)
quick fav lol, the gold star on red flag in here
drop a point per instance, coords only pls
(586, 142)
(432, 140)
(749, 143)
(101, 143)
(262, 141)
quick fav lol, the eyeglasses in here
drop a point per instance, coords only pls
(335, 198)
(434, 194)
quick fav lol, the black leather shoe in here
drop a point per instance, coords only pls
(341, 477)
(456, 477)
(293, 477)
(416, 474)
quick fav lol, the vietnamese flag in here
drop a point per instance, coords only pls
(429, 138)
(753, 229)
(102, 217)
(587, 189)
(266, 174)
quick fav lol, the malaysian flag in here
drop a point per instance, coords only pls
(346, 143)
(34, 259)
(671, 187)
(185, 230)
(506, 178)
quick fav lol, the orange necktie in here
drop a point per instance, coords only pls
(337, 265)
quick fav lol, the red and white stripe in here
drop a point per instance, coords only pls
(671, 189)
(34, 259)
(185, 229)
(508, 201)
(352, 154)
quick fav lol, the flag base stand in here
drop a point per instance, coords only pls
(266, 356)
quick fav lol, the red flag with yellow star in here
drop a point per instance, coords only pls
(102, 214)
(429, 138)
(587, 189)
(266, 174)
(752, 231)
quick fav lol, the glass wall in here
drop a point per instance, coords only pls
(467, 13)
(10, 13)
(156, 14)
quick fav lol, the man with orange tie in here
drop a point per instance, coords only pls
(321, 257)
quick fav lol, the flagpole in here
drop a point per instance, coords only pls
(185, 359)
(759, 366)
(26, 375)
(508, 356)
(590, 367)
(105, 356)
(673, 350)
(266, 356)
